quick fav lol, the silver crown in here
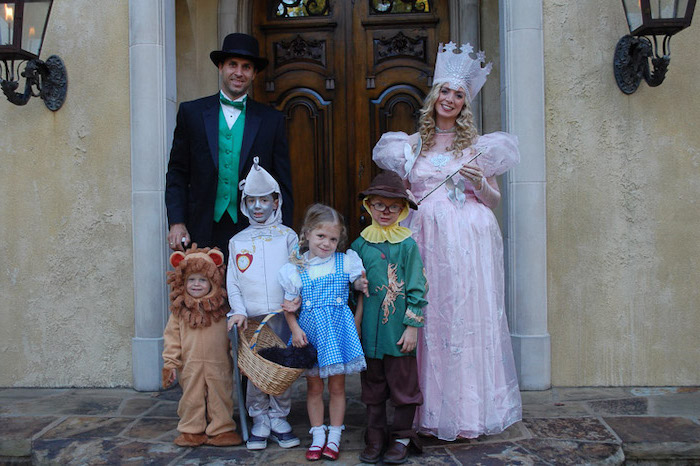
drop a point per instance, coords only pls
(455, 66)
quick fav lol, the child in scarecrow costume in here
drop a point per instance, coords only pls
(255, 256)
(389, 318)
(196, 346)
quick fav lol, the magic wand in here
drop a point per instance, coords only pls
(445, 180)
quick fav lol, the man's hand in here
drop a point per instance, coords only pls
(178, 232)
(238, 320)
(408, 340)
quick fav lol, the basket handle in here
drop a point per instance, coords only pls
(254, 340)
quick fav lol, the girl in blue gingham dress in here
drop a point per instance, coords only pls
(321, 277)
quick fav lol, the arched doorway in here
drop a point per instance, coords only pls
(344, 73)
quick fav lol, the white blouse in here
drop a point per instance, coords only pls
(290, 279)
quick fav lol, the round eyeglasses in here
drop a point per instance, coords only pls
(393, 208)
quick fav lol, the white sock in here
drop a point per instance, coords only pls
(403, 441)
(319, 436)
(334, 433)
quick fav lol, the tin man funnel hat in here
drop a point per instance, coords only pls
(258, 182)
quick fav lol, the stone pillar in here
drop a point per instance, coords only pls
(235, 16)
(464, 28)
(525, 215)
(153, 107)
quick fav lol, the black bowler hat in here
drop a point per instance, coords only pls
(388, 184)
(240, 45)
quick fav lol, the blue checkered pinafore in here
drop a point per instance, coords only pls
(329, 324)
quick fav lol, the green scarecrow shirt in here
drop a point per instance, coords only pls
(397, 288)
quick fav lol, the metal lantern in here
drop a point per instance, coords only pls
(632, 53)
(22, 28)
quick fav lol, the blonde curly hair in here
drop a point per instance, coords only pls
(465, 131)
(198, 312)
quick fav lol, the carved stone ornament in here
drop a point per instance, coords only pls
(400, 46)
(300, 50)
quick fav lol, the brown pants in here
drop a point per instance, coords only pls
(396, 379)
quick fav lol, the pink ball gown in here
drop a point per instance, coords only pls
(465, 357)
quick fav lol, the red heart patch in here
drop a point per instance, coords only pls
(243, 261)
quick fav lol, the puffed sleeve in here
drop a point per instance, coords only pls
(397, 151)
(290, 281)
(352, 265)
(499, 153)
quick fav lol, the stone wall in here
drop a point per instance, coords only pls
(623, 224)
(66, 282)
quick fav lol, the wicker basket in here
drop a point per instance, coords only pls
(272, 378)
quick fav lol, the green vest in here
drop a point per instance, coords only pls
(229, 155)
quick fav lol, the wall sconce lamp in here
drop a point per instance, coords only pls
(633, 51)
(22, 28)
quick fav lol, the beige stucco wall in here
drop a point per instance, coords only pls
(623, 223)
(196, 23)
(66, 299)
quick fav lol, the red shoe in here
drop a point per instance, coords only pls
(330, 453)
(314, 453)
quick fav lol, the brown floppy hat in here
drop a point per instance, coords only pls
(388, 184)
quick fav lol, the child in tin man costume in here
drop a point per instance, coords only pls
(255, 256)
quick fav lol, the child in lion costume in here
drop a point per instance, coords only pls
(196, 346)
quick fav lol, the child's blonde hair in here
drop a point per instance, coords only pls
(317, 214)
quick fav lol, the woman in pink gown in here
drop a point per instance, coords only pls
(465, 359)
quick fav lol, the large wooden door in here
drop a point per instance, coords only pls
(344, 72)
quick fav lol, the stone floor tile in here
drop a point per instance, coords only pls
(569, 429)
(171, 394)
(87, 427)
(151, 428)
(555, 409)
(539, 396)
(513, 432)
(221, 456)
(654, 429)
(680, 404)
(516, 431)
(433, 456)
(136, 406)
(624, 407)
(670, 439)
(493, 454)
(589, 393)
(16, 434)
(101, 451)
(16, 394)
(163, 409)
(656, 391)
(67, 403)
(564, 452)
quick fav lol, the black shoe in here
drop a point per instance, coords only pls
(371, 453)
(396, 454)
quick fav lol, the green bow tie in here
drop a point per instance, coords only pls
(239, 104)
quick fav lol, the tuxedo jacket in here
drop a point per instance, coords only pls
(191, 180)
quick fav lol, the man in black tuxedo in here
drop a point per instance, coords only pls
(214, 143)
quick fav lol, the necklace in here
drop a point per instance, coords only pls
(448, 130)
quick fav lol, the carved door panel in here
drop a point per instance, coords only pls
(344, 72)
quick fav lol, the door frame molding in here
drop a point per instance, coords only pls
(153, 110)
